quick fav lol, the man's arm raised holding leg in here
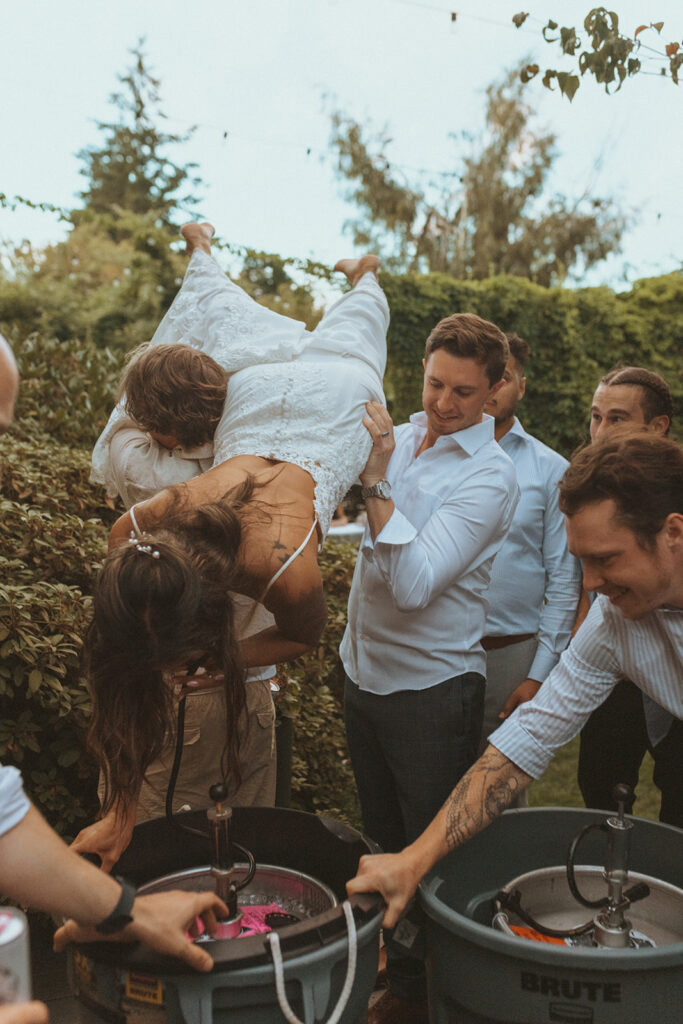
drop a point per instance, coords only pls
(482, 795)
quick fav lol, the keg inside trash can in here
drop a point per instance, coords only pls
(315, 857)
(295, 893)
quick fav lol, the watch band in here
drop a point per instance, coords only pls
(382, 489)
(121, 914)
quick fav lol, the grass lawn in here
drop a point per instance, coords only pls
(559, 788)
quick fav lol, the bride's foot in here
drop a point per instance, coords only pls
(198, 236)
(354, 269)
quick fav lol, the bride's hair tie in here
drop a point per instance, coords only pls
(145, 549)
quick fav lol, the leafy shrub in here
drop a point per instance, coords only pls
(55, 545)
(53, 476)
(67, 389)
(44, 701)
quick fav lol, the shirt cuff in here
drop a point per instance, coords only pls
(544, 662)
(398, 530)
(520, 747)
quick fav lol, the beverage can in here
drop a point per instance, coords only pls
(15, 963)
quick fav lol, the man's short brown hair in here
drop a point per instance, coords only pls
(175, 390)
(467, 336)
(655, 393)
(519, 349)
(642, 473)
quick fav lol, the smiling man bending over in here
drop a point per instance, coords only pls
(623, 502)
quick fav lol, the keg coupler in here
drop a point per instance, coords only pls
(610, 927)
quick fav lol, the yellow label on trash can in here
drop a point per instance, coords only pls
(145, 989)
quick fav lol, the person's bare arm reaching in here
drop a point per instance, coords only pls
(482, 795)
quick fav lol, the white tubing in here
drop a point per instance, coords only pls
(275, 952)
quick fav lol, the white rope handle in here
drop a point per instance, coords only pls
(288, 1012)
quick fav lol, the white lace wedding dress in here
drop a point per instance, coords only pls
(294, 395)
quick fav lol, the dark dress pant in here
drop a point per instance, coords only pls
(613, 744)
(408, 750)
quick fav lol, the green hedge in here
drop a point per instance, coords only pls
(575, 336)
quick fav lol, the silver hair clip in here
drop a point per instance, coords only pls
(146, 549)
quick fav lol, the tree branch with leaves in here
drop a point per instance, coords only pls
(608, 56)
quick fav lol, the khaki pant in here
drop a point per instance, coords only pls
(202, 750)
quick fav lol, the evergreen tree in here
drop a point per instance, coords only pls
(131, 171)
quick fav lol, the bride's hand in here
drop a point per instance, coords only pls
(107, 838)
(380, 426)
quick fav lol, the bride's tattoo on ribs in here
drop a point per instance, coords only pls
(281, 550)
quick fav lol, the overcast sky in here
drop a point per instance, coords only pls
(260, 71)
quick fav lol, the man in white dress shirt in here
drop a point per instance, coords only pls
(623, 502)
(535, 582)
(439, 503)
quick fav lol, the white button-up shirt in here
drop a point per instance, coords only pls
(418, 599)
(608, 647)
(535, 581)
(138, 467)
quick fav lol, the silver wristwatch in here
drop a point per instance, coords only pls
(382, 489)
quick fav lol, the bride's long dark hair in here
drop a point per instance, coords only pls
(153, 615)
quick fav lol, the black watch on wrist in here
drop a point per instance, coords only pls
(382, 489)
(121, 914)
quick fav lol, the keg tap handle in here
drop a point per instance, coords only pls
(222, 860)
(619, 838)
(612, 928)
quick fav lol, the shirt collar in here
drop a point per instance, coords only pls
(516, 430)
(471, 439)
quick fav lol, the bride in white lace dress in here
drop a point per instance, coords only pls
(294, 395)
(302, 416)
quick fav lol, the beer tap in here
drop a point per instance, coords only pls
(222, 860)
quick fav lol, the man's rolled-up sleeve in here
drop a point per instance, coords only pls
(418, 565)
(585, 676)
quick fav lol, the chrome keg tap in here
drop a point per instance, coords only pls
(222, 860)
(609, 927)
(222, 863)
(219, 827)
(612, 928)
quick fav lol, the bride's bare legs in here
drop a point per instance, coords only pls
(198, 236)
(354, 269)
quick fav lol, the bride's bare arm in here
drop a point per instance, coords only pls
(297, 602)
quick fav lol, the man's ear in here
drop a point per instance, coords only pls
(496, 387)
(659, 424)
(522, 386)
(424, 364)
(673, 531)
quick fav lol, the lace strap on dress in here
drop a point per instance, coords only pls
(290, 559)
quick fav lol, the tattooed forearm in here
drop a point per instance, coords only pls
(482, 794)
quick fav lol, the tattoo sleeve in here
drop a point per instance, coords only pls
(482, 794)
